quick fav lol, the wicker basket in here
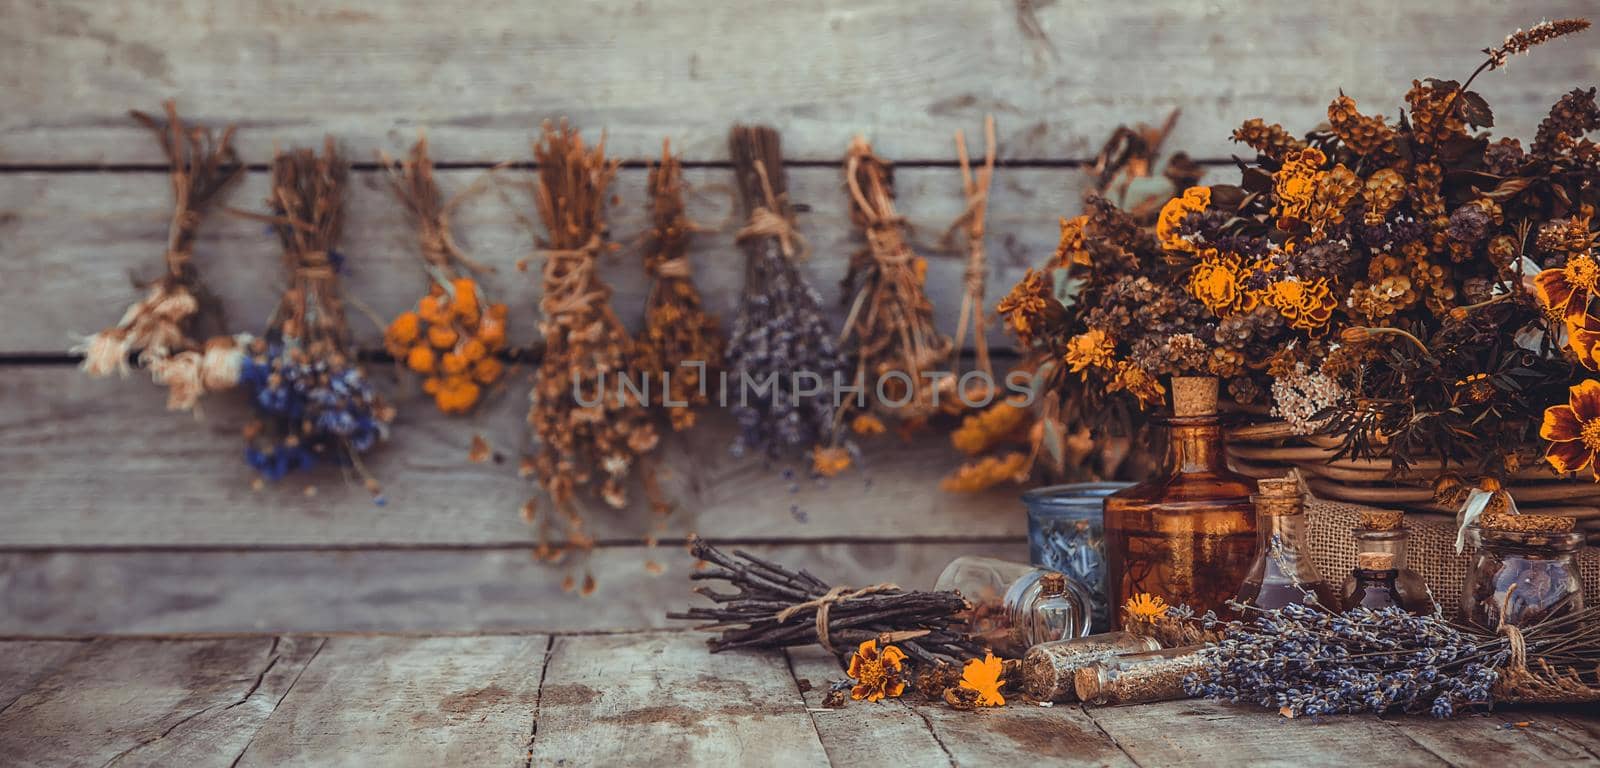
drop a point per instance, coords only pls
(1430, 551)
(1268, 449)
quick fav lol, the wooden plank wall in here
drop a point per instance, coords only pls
(116, 517)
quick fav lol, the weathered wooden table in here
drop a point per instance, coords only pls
(653, 698)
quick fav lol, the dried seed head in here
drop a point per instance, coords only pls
(1543, 32)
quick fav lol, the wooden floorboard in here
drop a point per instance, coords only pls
(24, 664)
(408, 590)
(408, 702)
(888, 732)
(1187, 732)
(153, 702)
(663, 700)
(1506, 738)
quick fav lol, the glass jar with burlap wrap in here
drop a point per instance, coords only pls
(1431, 550)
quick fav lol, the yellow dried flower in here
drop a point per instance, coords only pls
(1145, 607)
(1306, 304)
(1091, 349)
(1073, 247)
(986, 473)
(1138, 382)
(829, 462)
(867, 424)
(983, 430)
(877, 673)
(1193, 200)
(984, 677)
(1295, 185)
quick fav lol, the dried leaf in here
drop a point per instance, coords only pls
(1474, 110)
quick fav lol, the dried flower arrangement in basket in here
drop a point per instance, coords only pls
(452, 337)
(589, 431)
(1407, 297)
(1105, 319)
(313, 402)
(163, 329)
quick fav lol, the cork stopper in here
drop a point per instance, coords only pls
(1278, 496)
(1086, 683)
(1375, 561)
(1052, 583)
(1499, 521)
(1194, 396)
(1381, 520)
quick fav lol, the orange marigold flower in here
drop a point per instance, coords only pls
(1138, 382)
(1194, 200)
(867, 424)
(434, 309)
(1217, 280)
(1025, 305)
(1091, 349)
(420, 359)
(492, 331)
(1073, 247)
(1566, 290)
(1144, 607)
(474, 350)
(487, 370)
(452, 363)
(983, 430)
(403, 330)
(456, 395)
(829, 462)
(442, 336)
(1306, 304)
(466, 296)
(1295, 184)
(432, 384)
(877, 673)
(1573, 430)
(984, 677)
(987, 472)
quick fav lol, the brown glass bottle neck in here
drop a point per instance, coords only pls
(1195, 446)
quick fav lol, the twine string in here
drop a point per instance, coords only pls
(767, 221)
(821, 604)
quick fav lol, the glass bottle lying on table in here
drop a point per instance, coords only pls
(1187, 536)
(1003, 595)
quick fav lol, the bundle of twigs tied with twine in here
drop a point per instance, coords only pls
(780, 334)
(681, 346)
(312, 400)
(163, 329)
(452, 337)
(889, 330)
(774, 607)
(589, 431)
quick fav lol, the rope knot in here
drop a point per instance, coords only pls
(821, 604)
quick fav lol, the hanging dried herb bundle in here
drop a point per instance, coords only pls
(162, 330)
(682, 344)
(780, 335)
(775, 607)
(313, 403)
(452, 336)
(889, 332)
(1107, 317)
(589, 429)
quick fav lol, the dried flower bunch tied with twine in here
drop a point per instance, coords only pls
(452, 337)
(590, 431)
(774, 607)
(162, 329)
(312, 400)
(681, 346)
(780, 332)
(888, 331)
(1304, 660)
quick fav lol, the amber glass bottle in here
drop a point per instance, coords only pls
(1189, 534)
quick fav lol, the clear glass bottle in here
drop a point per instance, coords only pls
(1066, 533)
(1384, 532)
(1048, 668)
(1525, 570)
(1054, 615)
(1001, 593)
(1187, 536)
(1374, 583)
(1139, 678)
(1283, 572)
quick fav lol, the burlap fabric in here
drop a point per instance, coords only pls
(1430, 551)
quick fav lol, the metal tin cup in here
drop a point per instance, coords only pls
(1066, 533)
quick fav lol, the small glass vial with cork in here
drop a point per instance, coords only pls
(1283, 572)
(1049, 668)
(1187, 535)
(1055, 615)
(1374, 583)
(1383, 532)
(1139, 678)
(1525, 570)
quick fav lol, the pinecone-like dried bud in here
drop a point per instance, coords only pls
(1362, 134)
(1270, 140)
(1571, 117)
